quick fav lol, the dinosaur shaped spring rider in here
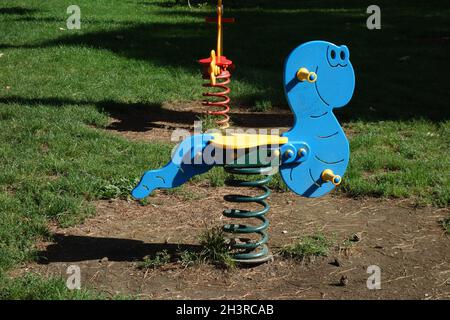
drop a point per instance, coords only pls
(215, 70)
(311, 157)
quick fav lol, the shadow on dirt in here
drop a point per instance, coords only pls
(82, 248)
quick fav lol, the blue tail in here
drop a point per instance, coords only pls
(179, 170)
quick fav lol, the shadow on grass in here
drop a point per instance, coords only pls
(81, 248)
(390, 64)
(140, 117)
(16, 10)
(136, 117)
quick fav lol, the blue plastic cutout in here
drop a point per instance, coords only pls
(316, 142)
(179, 170)
(315, 124)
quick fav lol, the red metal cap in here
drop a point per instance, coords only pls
(221, 61)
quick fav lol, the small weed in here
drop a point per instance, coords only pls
(446, 225)
(262, 106)
(188, 258)
(215, 248)
(117, 188)
(308, 247)
(346, 247)
(161, 258)
(208, 122)
(144, 202)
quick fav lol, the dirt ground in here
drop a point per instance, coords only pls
(408, 244)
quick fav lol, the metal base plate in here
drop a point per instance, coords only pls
(255, 261)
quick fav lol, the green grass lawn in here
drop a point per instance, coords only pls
(57, 86)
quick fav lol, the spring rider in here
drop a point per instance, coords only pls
(216, 70)
(311, 157)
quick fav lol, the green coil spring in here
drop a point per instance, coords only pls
(251, 251)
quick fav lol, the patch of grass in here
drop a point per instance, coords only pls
(262, 106)
(308, 247)
(400, 160)
(187, 195)
(118, 188)
(446, 225)
(161, 258)
(52, 165)
(215, 248)
(188, 258)
(183, 193)
(209, 122)
(34, 287)
(215, 177)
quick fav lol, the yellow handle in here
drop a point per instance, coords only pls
(213, 70)
(219, 28)
(328, 175)
(304, 74)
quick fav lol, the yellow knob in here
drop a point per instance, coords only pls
(304, 74)
(302, 152)
(328, 175)
(289, 153)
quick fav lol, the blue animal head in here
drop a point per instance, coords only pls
(335, 81)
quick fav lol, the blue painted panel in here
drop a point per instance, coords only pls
(315, 124)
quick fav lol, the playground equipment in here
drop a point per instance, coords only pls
(215, 69)
(311, 157)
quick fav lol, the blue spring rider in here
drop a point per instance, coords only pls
(311, 157)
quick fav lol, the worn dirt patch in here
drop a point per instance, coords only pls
(408, 244)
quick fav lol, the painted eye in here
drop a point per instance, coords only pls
(333, 54)
(342, 55)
